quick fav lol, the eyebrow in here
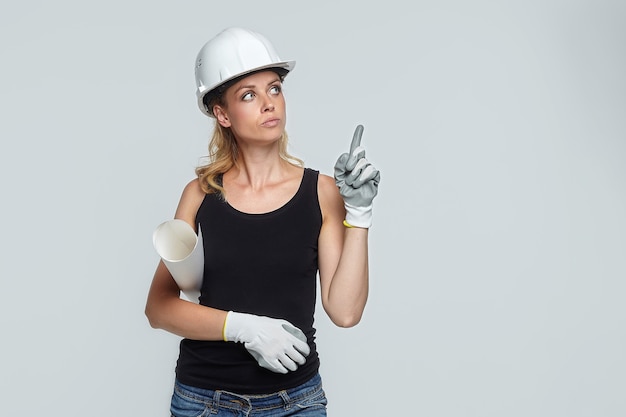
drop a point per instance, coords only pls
(252, 86)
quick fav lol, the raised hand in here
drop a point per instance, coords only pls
(357, 180)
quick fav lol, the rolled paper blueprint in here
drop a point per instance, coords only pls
(182, 253)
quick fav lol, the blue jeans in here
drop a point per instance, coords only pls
(306, 400)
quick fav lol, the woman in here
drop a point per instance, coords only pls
(269, 226)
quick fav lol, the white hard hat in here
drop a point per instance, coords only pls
(230, 54)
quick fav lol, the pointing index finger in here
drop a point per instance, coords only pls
(356, 139)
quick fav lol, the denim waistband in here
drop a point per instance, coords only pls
(225, 399)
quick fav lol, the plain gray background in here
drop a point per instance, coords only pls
(498, 251)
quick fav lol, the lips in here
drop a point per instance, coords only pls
(271, 122)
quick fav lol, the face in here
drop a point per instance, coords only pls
(254, 108)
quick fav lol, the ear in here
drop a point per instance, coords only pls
(221, 116)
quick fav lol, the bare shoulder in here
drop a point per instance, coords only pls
(326, 184)
(330, 200)
(193, 189)
(190, 201)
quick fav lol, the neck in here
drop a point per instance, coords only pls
(258, 166)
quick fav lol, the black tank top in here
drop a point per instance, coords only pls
(263, 264)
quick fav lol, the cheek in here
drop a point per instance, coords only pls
(244, 112)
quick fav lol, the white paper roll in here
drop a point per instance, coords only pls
(182, 253)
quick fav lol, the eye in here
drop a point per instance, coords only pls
(275, 89)
(248, 96)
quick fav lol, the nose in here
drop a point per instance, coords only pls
(268, 105)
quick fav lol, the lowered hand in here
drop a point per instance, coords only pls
(276, 344)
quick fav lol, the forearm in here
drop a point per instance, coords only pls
(356, 181)
(276, 344)
(348, 290)
(166, 310)
(187, 319)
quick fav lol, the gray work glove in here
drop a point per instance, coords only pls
(357, 180)
(276, 344)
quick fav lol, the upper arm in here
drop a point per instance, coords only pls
(330, 244)
(189, 203)
(162, 283)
